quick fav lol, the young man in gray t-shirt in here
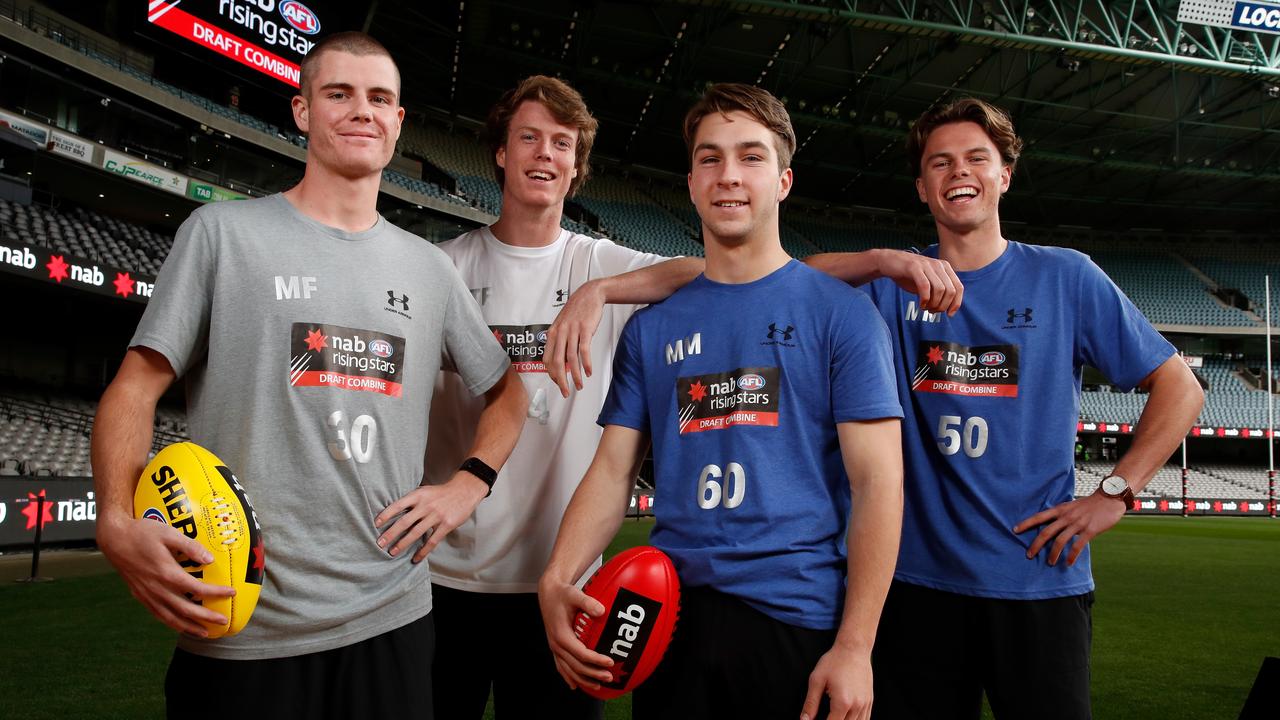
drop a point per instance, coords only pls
(309, 332)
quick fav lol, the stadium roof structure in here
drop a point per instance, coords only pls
(1132, 119)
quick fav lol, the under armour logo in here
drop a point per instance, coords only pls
(1026, 316)
(403, 300)
(561, 296)
(786, 334)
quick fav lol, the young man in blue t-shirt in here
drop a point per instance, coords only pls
(993, 590)
(767, 391)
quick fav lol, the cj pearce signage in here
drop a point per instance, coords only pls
(269, 36)
(64, 270)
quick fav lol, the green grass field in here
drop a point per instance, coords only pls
(1186, 610)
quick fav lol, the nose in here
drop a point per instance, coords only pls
(543, 149)
(730, 175)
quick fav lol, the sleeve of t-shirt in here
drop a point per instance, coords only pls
(862, 379)
(176, 321)
(627, 404)
(469, 347)
(614, 259)
(1113, 335)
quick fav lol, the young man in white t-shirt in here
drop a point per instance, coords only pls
(522, 269)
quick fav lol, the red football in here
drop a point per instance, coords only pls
(641, 595)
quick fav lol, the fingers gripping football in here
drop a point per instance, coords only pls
(562, 606)
(146, 555)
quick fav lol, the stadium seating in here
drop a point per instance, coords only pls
(1165, 290)
(49, 436)
(86, 234)
(1206, 481)
(1242, 268)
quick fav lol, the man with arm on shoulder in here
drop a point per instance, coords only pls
(993, 589)
(271, 310)
(776, 455)
(522, 269)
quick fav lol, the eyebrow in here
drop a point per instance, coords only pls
(350, 89)
(554, 133)
(746, 145)
(970, 151)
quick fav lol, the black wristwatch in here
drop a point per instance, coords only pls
(477, 467)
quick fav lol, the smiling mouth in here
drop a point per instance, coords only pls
(730, 203)
(960, 194)
(540, 176)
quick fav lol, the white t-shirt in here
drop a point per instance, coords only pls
(505, 545)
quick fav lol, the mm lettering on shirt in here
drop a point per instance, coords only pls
(680, 349)
(746, 396)
(978, 371)
(523, 344)
(333, 356)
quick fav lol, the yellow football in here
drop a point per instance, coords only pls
(190, 489)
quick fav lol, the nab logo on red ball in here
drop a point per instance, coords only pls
(300, 16)
(641, 595)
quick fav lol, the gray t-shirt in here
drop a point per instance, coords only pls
(310, 355)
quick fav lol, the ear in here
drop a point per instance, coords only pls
(920, 190)
(689, 181)
(784, 184)
(1006, 176)
(501, 157)
(301, 110)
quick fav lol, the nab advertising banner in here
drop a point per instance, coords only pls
(65, 270)
(269, 36)
(69, 513)
(1168, 506)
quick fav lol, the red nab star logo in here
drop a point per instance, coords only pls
(124, 284)
(316, 340)
(697, 391)
(497, 335)
(259, 556)
(32, 508)
(57, 268)
(935, 354)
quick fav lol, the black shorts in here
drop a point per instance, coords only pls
(937, 652)
(729, 660)
(384, 676)
(497, 641)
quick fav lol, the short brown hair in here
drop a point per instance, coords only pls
(995, 122)
(351, 42)
(565, 105)
(762, 106)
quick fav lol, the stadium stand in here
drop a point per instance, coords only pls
(1165, 290)
(1241, 268)
(43, 435)
(86, 234)
(1207, 481)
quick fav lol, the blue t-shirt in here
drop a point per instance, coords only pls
(992, 398)
(740, 388)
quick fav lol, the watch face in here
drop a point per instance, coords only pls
(1114, 485)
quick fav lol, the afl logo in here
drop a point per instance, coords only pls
(992, 358)
(542, 337)
(381, 348)
(300, 16)
(154, 514)
(751, 382)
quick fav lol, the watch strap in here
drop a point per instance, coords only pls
(480, 469)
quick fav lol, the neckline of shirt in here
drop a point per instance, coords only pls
(773, 278)
(333, 232)
(553, 248)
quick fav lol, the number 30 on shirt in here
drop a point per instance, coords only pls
(956, 434)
